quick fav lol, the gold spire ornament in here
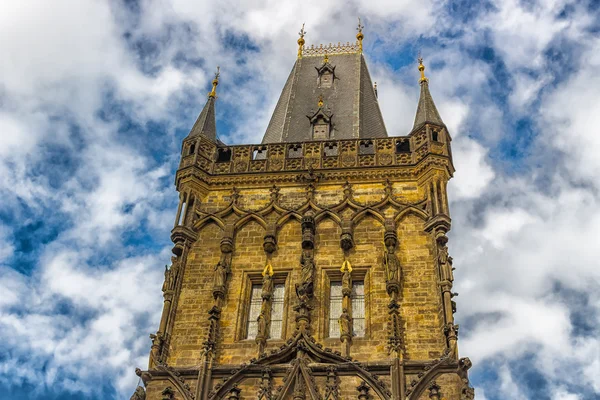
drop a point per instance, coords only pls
(346, 266)
(326, 59)
(422, 70)
(268, 270)
(301, 41)
(359, 35)
(320, 102)
(215, 82)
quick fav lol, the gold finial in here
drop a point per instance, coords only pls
(320, 102)
(326, 59)
(301, 41)
(422, 70)
(215, 82)
(360, 35)
(268, 270)
(346, 266)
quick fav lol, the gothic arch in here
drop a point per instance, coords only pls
(411, 210)
(328, 214)
(250, 217)
(207, 220)
(367, 211)
(178, 382)
(443, 366)
(284, 219)
(287, 352)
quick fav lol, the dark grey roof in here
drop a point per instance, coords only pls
(351, 101)
(206, 124)
(426, 110)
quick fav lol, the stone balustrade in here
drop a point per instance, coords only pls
(330, 154)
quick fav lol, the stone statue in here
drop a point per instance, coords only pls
(445, 262)
(392, 265)
(139, 394)
(262, 326)
(308, 268)
(221, 271)
(267, 287)
(166, 283)
(345, 327)
(171, 275)
(346, 283)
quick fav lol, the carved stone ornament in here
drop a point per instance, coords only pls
(307, 264)
(345, 325)
(171, 275)
(332, 385)
(220, 277)
(265, 390)
(270, 240)
(434, 391)
(363, 391)
(346, 239)
(234, 393)
(444, 260)
(139, 394)
(168, 393)
(267, 286)
(308, 230)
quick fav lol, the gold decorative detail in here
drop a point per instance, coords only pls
(326, 59)
(320, 102)
(301, 41)
(422, 70)
(268, 270)
(215, 82)
(331, 49)
(359, 35)
(346, 266)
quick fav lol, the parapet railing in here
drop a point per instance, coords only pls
(326, 154)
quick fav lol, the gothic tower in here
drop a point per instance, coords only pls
(313, 265)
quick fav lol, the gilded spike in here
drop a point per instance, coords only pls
(359, 35)
(301, 41)
(422, 70)
(215, 82)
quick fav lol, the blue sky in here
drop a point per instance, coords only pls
(95, 98)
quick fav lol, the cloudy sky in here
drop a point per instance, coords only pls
(96, 96)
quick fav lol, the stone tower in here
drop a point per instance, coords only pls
(313, 265)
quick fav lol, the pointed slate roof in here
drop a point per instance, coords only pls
(206, 122)
(426, 110)
(351, 99)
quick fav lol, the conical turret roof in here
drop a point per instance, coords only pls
(206, 123)
(426, 110)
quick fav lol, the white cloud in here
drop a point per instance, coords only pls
(473, 173)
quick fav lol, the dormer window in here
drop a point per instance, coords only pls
(321, 129)
(326, 74)
(326, 79)
(320, 122)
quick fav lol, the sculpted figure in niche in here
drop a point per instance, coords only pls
(171, 275)
(445, 262)
(221, 271)
(345, 326)
(346, 283)
(262, 326)
(392, 265)
(267, 288)
(308, 267)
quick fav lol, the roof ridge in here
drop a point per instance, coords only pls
(331, 49)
